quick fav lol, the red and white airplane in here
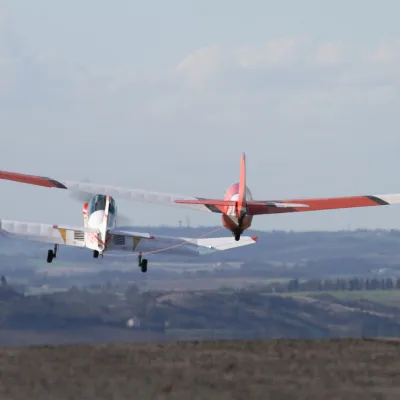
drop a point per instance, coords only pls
(237, 207)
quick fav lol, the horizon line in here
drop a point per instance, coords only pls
(272, 230)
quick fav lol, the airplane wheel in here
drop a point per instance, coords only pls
(237, 236)
(144, 265)
(50, 256)
(95, 254)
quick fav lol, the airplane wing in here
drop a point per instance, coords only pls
(47, 233)
(285, 206)
(120, 239)
(329, 203)
(147, 243)
(210, 205)
(114, 191)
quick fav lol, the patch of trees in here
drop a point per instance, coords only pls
(339, 284)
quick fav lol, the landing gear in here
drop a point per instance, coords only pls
(236, 234)
(96, 254)
(239, 229)
(51, 254)
(142, 263)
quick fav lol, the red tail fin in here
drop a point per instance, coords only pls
(242, 186)
(223, 205)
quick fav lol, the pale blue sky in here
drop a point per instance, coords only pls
(166, 95)
(147, 32)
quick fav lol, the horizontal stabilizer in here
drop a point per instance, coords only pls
(208, 202)
(275, 204)
(128, 233)
(221, 206)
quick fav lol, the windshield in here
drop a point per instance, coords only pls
(111, 209)
(98, 203)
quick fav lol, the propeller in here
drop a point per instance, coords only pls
(123, 219)
(83, 197)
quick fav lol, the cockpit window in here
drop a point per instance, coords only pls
(111, 209)
(98, 202)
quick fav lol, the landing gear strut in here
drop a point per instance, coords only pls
(142, 263)
(51, 254)
(239, 229)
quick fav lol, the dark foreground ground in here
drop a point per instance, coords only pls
(331, 369)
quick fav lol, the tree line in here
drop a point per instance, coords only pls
(338, 284)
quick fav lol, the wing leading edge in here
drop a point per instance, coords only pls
(121, 239)
(299, 205)
(147, 243)
(138, 195)
(211, 205)
(46, 233)
(320, 204)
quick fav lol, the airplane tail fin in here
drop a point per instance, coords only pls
(222, 206)
(241, 204)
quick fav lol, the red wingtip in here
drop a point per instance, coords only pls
(255, 238)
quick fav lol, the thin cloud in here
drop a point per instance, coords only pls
(291, 103)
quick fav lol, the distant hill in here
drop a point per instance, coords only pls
(203, 314)
(276, 246)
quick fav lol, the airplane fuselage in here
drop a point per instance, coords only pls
(99, 214)
(230, 218)
(94, 216)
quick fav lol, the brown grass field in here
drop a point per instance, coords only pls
(280, 369)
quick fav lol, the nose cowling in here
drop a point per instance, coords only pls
(96, 219)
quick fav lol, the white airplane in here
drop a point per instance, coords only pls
(101, 234)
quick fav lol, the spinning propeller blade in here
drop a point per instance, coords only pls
(82, 197)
